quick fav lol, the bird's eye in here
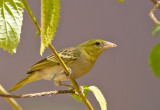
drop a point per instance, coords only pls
(97, 43)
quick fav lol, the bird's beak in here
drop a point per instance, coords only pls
(108, 45)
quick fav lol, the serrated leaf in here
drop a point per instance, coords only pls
(99, 96)
(155, 30)
(85, 92)
(154, 60)
(50, 10)
(76, 97)
(11, 16)
(120, 1)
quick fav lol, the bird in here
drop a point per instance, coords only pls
(79, 60)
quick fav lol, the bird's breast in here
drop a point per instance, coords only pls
(79, 68)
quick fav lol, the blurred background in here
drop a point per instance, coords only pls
(122, 73)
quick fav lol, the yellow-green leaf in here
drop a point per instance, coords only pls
(154, 60)
(11, 16)
(120, 1)
(50, 10)
(85, 92)
(99, 96)
(155, 30)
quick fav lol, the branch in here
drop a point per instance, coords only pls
(151, 14)
(86, 102)
(39, 94)
(11, 101)
(154, 2)
(31, 15)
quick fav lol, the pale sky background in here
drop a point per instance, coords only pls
(122, 73)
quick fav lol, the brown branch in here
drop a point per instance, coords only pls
(151, 14)
(39, 94)
(154, 2)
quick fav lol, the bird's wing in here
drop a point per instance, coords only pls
(68, 55)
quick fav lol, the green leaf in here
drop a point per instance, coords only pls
(155, 30)
(85, 92)
(76, 97)
(99, 96)
(97, 93)
(50, 10)
(120, 1)
(154, 60)
(11, 16)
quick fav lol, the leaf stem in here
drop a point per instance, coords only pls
(11, 101)
(31, 15)
(86, 102)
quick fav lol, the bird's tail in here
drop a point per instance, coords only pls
(29, 79)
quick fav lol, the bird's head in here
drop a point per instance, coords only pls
(95, 47)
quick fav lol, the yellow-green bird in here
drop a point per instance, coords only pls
(79, 59)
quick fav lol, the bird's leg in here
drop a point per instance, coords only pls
(58, 83)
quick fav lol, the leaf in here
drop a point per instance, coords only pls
(155, 30)
(50, 10)
(120, 1)
(97, 93)
(99, 96)
(85, 92)
(11, 16)
(154, 60)
(76, 97)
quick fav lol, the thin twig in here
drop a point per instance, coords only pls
(11, 101)
(154, 2)
(39, 94)
(151, 14)
(86, 102)
(31, 16)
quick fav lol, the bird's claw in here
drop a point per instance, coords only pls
(70, 72)
(81, 89)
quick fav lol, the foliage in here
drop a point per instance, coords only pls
(85, 91)
(97, 93)
(11, 15)
(154, 60)
(120, 1)
(156, 30)
(49, 21)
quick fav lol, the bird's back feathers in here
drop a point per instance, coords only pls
(68, 55)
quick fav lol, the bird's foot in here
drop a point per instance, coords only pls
(70, 72)
(58, 83)
(80, 89)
